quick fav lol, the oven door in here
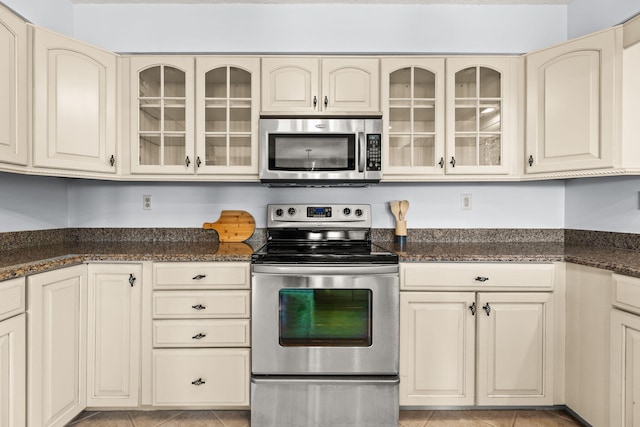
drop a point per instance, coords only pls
(325, 319)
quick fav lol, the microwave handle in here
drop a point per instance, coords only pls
(361, 152)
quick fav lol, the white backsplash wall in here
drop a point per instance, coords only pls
(32, 202)
(603, 204)
(494, 205)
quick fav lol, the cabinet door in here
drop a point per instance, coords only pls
(413, 114)
(482, 114)
(515, 349)
(350, 84)
(74, 104)
(113, 354)
(162, 121)
(56, 374)
(290, 85)
(437, 348)
(227, 114)
(13, 372)
(571, 105)
(625, 369)
(13, 86)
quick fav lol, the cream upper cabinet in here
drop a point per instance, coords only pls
(227, 113)
(162, 114)
(74, 104)
(13, 86)
(413, 93)
(482, 114)
(320, 85)
(113, 353)
(57, 334)
(572, 104)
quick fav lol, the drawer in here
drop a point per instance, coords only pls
(477, 276)
(203, 304)
(12, 297)
(201, 377)
(201, 275)
(626, 293)
(201, 333)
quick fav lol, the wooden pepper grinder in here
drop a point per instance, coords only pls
(399, 209)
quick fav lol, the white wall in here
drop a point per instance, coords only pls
(494, 205)
(32, 203)
(603, 204)
(320, 27)
(56, 15)
(588, 16)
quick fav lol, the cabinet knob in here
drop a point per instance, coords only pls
(199, 336)
(315, 101)
(441, 162)
(487, 308)
(198, 307)
(326, 101)
(530, 160)
(187, 161)
(453, 162)
(112, 161)
(198, 162)
(132, 279)
(199, 277)
(481, 279)
(198, 382)
(473, 307)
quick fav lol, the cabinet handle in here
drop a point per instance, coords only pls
(326, 101)
(530, 160)
(112, 161)
(198, 307)
(198, 162)
(441, 162)
(199, 277)
(315, 101)
(199, 336)
(198, 382)
(473, 307)
(187, 161)
(453, 162)
(487, 308)
(132, 279)
(481, 279)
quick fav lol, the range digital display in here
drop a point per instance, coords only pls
(318, 212)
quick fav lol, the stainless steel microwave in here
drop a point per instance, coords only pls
(320, 151)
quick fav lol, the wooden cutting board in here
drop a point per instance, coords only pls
(233, 226)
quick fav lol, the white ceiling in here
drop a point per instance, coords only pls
(462, 2)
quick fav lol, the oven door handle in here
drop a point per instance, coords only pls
(326, 270)
(361, 152)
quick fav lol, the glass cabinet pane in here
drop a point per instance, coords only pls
(161, 116)
(478, 117)
(412, 117)
(228, 117)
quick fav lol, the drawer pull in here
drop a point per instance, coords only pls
(198, 382)
(481, 279)
(199, 277)
(199, 336)
(199, 307)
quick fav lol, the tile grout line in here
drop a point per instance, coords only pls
(169, 419)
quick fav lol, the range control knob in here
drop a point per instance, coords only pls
(346, 211)
(279, 212)
(291, 211)
(358, 212)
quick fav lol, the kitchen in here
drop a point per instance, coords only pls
(611, 202)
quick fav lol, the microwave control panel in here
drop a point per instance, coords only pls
(374, 152)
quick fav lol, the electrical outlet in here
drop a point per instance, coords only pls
(146, 202)
(465, 202)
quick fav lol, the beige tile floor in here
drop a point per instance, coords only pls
(467, 418)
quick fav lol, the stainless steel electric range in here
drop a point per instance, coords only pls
(325, 321)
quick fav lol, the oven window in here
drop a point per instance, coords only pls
(328, 152)
(325, 317)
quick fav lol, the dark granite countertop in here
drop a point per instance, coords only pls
(36, 259)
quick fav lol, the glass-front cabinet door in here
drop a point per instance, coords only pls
(413, 106)
(227, 112)
(163, 111)
(479, 110)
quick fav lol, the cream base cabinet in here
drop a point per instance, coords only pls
(74, 105)
(13, 347)
(13, 86)
(320, 85)
(113, 353)
(57, 331)
(572, 104)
